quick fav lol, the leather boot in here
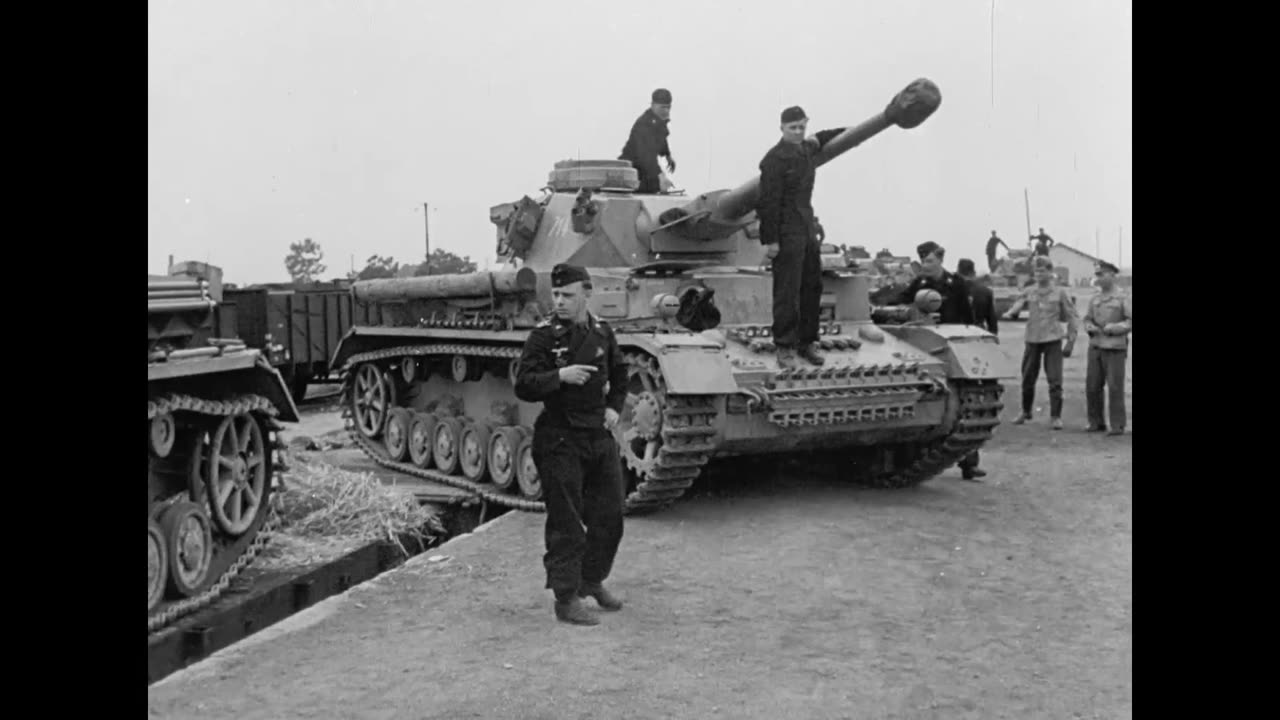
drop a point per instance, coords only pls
(810, 353)
(786, 358)
(604, 598)
(573, 611)
(972, 473)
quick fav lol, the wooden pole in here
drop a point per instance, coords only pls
(426, 231)
(1026, 200)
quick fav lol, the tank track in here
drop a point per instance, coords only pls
(687, 423)
(976, 421)
(240, 553)
(688, 427)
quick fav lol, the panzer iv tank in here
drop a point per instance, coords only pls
(684, 283)
(213, 410)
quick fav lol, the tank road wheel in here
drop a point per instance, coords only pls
(502, 456)
(162, 432)
(189, 544)
(513, 369)
(369, 400)
(397, 433)
(474, 451)
(461, 367)
(527, 471)
(422, 433)
(157, 564)
(237, 473)
(444, 448)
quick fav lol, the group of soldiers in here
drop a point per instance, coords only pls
(569, 360)
(1042, 243)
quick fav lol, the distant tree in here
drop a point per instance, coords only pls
(304, 261)
(376, 268)
(444, 262)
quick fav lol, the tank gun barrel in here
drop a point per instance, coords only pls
(473, 285)
(908, 109)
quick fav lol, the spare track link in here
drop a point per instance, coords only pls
(246, 548)
(977, 419)
(688, 429)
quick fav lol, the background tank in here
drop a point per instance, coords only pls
(684, 284)
(213, 408)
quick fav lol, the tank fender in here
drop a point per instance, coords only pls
(691, 363)
(970, 352)
(270, 384)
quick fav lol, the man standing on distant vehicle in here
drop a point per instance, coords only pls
(994, 242)
(1048, 307)
(1043, 243)
(1108, 322)
(565, 364)
(648, 142)
(786, 217)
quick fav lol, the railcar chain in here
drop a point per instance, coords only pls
(217, 408)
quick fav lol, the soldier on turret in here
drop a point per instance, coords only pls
(786, 219)
(1043, 243)
(648, 142)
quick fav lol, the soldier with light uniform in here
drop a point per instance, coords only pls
(1108, 322)
(1048, 308)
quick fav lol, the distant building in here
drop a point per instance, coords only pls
(1079, 265)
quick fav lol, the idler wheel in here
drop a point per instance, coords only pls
(370, 401)
(237, 473)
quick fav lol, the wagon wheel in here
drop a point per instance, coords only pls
(188, 540)
(370, 401)
(474, 451)
(639, 429)
(527, 471)
(157, 564)
(421, 438)
(502, 456)
(444, 446)
(237, 473)
(397, 433)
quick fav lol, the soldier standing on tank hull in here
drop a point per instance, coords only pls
(565, 364)
(1108, 322)
(994, 242)
(786, 217)
(648, 142)
(1048, 307)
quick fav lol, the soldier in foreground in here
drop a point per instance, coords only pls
(565, 364)
(1107, 322)
(648, 141)
(786, 220)
(1048, 307)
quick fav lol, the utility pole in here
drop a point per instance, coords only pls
(426, 230)
(1026, 200)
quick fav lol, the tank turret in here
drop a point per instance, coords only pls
(687, 288)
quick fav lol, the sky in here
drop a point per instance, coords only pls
(273, 121)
